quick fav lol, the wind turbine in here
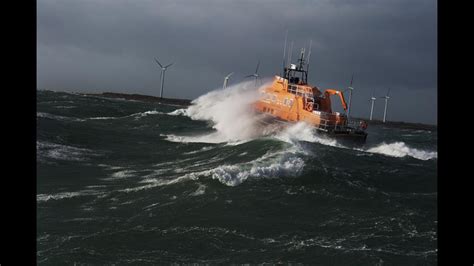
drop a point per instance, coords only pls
(386, 97)
(226, 79)
(163, 69)
(255, 75)
(372, 107)
(350, 96)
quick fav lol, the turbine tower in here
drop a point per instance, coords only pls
(372, 106)
(226, 79)
(163, 69)
(255, 75)
(386, 97)
(350, 96)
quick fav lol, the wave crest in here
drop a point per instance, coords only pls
(400, 149)
(270, 165)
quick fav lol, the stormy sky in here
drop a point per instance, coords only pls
(109, 45)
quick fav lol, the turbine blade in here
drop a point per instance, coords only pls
(228, 76)
(158, 62)
(352, 79)
(249, 76)
(169, 65)
(388, 92)
(258, 64)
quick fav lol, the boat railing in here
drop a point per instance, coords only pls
(293, 89)
(357, 124)
(352, 124)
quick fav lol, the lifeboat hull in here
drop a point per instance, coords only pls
(351, 135)
(286, 104)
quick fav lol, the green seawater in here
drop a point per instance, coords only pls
(120, 182)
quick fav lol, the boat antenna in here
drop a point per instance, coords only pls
(309, 55)
(284, 51)
(290, 52)
(301, 58)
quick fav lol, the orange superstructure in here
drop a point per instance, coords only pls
(291, 99)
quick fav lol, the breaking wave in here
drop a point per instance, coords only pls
(183, 112)
(229, 110)
(275, 164)
(136, 115)
(400, 149)
(120, 175)
(58, 117)
(212, 138)
(67, 195)
(199, 191)
(302, 131)
(270, 165)
(143, 114)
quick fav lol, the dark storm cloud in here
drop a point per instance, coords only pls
(110, 45)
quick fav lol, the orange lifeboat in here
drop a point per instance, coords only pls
(291, 99)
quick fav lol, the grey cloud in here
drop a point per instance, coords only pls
(110, 45)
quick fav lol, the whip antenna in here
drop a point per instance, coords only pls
(290, 52)
(309, 55)
(284, 51)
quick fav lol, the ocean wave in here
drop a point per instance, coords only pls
(111, 167)
(67, 195)
(62, 152)
(136, 115)
(120, 175)
(212, 138)
(207, 148)
(58, 117)
(147, 113)
(302, 131)
(183, 112)
(400, 149)
(155, 182)
(199, 191)
(214, 231)
(65, 107)
(269, 165)
(229, 110)
(103, 118)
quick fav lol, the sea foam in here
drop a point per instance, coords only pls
(62, 152)
(270, 165)
(230, 112)
(400, 149)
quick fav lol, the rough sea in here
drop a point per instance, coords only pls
(129, 182)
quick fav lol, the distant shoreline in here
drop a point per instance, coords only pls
(404, 125)
(143, 98)
(187, 102)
